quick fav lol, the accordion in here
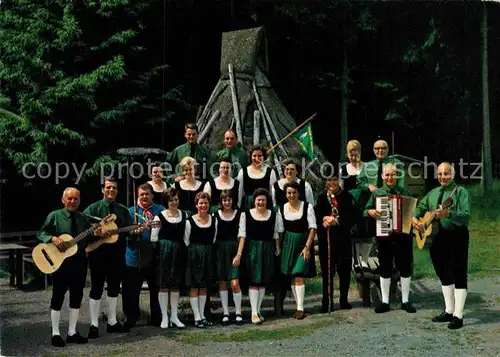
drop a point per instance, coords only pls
(397, 213)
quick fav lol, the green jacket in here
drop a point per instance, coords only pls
(369, 173)
(59, 222)
(238, 156)
(383, 191)
(459, 209)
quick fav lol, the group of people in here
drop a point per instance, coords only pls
(251, 231)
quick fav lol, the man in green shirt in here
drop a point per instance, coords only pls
(193, 149)
(73, 271)
(450, 247)
(107, 262)
(395, 248)
(234, 150)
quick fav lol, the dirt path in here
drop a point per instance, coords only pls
(25, 327)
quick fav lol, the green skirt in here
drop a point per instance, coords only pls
(225, 252)
(171, 264)
(260, 262)
(200, 266)
(292, 263)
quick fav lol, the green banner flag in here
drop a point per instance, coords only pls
(304, 138)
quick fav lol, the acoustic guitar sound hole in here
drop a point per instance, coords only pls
(47, 257)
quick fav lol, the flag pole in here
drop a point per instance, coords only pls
(292, 132)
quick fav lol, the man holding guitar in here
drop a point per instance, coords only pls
(107, 261)
(73, 271)
(450, 247)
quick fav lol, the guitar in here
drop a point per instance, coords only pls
(430, 224)
(112, 229)
(48, 258)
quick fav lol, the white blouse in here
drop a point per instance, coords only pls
(351, 171)
(263, 171)
(292, 215)
(184, 187)
(164, 185)
(309, 192)
(187, 230)
(278, 226)
(221, 186)
(155, 232)
(227, 219)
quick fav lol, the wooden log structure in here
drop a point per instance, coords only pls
(234, 96)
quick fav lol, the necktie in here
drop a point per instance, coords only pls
(111, 207)
(74, 227)
(379, 175)
(441, 193)
(192, 151)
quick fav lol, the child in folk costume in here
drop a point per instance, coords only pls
(337, 214)
(171, 251)
(188, 186)
(299, 223)
(228, 254)
(260, 228)
(256, 175)
(200, 235)
(223, 182)
(396, 248)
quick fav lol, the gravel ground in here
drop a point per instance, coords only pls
(25, 326)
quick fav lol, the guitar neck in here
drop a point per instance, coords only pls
(82, 235)
(123, 229)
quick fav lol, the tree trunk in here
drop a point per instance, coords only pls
(344, 88)
(487, 176)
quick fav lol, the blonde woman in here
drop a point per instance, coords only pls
(188, 187)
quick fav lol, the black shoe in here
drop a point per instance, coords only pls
(199, 324)
(382, 307)
(93, 331)
(443, 317)
(408, 307)
(240, 321)
(456, 323)
(344, 305)
(127, 326)
(205, 322)
(225, 320)
(116, 328)
(76, 338)
(57, 341)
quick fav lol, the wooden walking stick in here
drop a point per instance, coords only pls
(330, 292)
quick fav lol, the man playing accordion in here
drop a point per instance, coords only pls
(395, 247)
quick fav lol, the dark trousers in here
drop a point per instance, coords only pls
(340, 263)
(396, 249)
(107, 268)
(132, 285)
(70, 276)
(449, 254)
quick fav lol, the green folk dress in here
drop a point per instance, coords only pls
(295, 238)
(226, 246)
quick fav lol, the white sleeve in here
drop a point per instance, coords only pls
(272, 180)
(341, 182)
(278, 226)
(240, 186)
(155, 232)
(273, 195)
(242, 227)
(309, 194)
(216, 225)
(187, 233)
(208, 189)
(311, 217)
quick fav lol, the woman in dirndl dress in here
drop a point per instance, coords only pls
(228, 254)
(188, 187)
(223, 182)
(200, 235)
(171, 252)
(256, 175)
(299, 222)
(159, 186)
(260, 228)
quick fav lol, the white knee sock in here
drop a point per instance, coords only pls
(449, 298)
(237, 302)
(94, 307)
(224, 299)
(460, 296)
(195, 307)
(301, 292)
(405, 289)
(294, 292)
(202, 299)
(163, 300)
(254, 300)
(112, 302)
(385, 288)
(262, 293)
(55, 317)
(364, 251)
(174, 304)
(73, 319)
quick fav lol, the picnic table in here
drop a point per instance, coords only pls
(15, 262)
